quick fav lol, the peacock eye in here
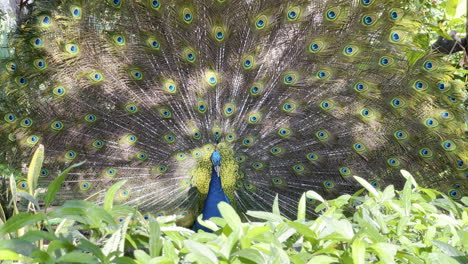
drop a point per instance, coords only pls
(70, 155)
(40, 64)
(187, 15)
(120, 40)
(292, 14)
(428, 65)
(345, 171)
(449, 145)
(312, 156)
(261, 22)
(398, 102)
(395, 37)
(248, 62)
(368, 20)
(219, 34)
(21, 81)
(76, 12)
(420, 85)
(256, 89)
(248, 141)
(323, 75)
(155, 4)
(328, 184)
(425, 153)
(359, 147)
(116, 3)
(59, 91)
(44, 172)
(90, 118)
(367, 2)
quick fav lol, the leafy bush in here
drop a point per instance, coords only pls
(414, 225)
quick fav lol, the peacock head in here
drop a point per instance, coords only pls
(216, 158)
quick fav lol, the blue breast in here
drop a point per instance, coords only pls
(215, 194)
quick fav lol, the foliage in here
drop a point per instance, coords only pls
(414, 225)
(439, 18)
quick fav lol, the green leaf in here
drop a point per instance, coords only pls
(451, 7)
(160, 260)
(275, 208)
(200, 252)
(437, 257)
(124, 260)
(110, 194)
(28, 197)
(250, 254)
(116, 242)
(34, 169)
(265, 216)
(87, 246)
(62, 245)
(359, 251)
(20, 220)
(301, 208)
(388, 193)
(83, 212)
(385, 251)
(409, 177)
(14, 195)
(402, 225)
(465, 200)
(142, 256)
(155, 243)
(19, 246)
(367, 185)
(231, 242)
(39, 256)
(170, 251)
(303, 230)
(55, 185)
(207, 223)
(8, 255)
(407, 193)
(451, 251)
(35, 235)
(409, 258)
(230, 215)
(336, 229)
(78, 257)
(2, 215)
(323, 259)
(314, 195)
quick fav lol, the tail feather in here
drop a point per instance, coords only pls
(301, 95)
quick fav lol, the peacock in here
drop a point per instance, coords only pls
(197, 102)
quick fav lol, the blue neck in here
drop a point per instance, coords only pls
(215, 194)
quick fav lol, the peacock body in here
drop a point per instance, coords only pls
(293, 95)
